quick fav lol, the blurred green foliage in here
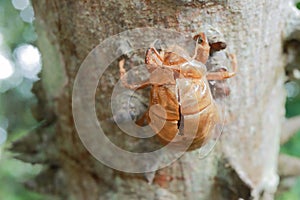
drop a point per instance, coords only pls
(293, 194)
(292, 147)
(15, 108)
(14, 30)
(298, 5)
(13, 174)
(292, 109)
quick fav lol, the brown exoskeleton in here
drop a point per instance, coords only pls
(181, 105)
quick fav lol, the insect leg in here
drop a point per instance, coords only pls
(224, 74)
(202, 48)
(144, 119)
(149, 56)
(124, 80)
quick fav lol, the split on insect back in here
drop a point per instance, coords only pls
(185, 108)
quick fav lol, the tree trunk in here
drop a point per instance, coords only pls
(244, 162)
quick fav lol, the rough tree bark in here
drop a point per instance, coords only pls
(244, 163)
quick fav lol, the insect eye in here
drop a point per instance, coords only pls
(200, 40)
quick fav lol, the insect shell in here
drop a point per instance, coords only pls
(181, 108)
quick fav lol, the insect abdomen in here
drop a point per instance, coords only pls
(190, 101)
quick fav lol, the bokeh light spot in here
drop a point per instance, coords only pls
(6, 68)
(3, 135)
(29, 59)
(292, 89)
(27, 14)
(1, 39)
(20, 4)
